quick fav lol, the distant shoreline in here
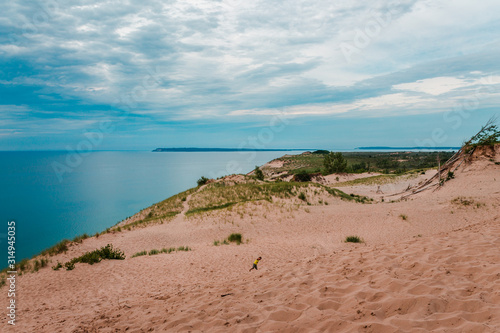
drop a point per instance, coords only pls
(190, 150)
(408, 148)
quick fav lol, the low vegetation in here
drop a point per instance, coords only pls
(466, 202)
(233, 238)
(258, 173)
(60, 247)
(105, 252)
(164, 250)
(202, 181)
(138, 254)
(358, 162)
(162, 211)
(353, 239)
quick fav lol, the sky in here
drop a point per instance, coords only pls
(136, 75)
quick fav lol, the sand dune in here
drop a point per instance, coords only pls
(437, 270)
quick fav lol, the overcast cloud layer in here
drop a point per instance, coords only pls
(211, 73)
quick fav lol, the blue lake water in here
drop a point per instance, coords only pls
(94, 193)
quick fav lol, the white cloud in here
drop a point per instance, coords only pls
(442, 85)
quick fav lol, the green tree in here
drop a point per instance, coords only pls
(335, 163)
(202, 181)
(258, 173)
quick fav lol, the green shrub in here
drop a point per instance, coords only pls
(36, 265)
(56, 267)
(335, 163)
(258, 173)
(451, 175)
(183, 248)
(106, 252)
(202, 181)
(302, 176)
(353, 239)
(235, 238)
(69, 265)
(302, 196)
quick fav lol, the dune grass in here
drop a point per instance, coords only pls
(353, 239)
(105, 252)
(233, 238)
(163, 250)
(217, 196)
(163, 210)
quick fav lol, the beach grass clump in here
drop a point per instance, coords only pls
(302, 196)
(160, 212)
(69, 266)
(348, 197)
(353, 239)
(153, 252)
(183, 248)
(138, 254)
(79, 239)
(57, 266)
(403, 217)
(235, 238)
(105, 252)
(60, 247)
(169, 250)
(463, 201)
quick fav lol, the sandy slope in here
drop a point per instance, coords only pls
(438, 270)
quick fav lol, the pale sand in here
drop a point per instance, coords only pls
(436, 271)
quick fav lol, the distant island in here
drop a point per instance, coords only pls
(190, 150)
(408, 148)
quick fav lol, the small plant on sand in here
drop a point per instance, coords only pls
(450, 175)
(138, 254)
(216, 242)
(57, 267)
(79, 239)
(353, 239)
(403, 217)
(183, 248)
(69, 266)
(169, 250)
(462, 201)
(302, 196)
(36, 266)
(153, 252)
(235, 238)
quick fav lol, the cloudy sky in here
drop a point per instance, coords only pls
(230, 73)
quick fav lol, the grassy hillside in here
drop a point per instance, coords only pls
(383, 162)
